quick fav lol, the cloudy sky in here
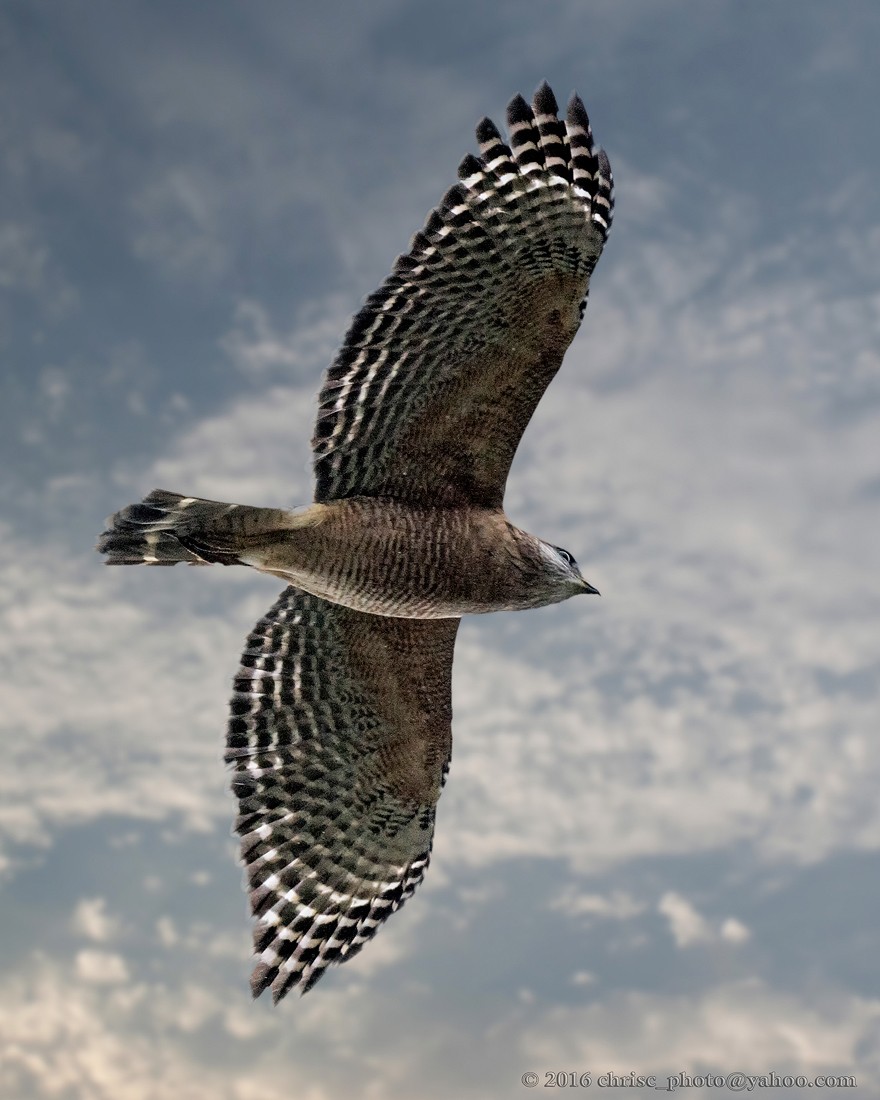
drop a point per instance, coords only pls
(659, 848)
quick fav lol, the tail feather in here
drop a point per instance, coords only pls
(167, 528)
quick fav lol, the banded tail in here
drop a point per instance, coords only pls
(167, 528)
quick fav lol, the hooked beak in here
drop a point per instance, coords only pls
(588, 589)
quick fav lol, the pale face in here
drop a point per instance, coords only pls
(562, 564)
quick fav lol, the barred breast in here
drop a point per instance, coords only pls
(388, 558)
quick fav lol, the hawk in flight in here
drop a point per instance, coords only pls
(339, 735)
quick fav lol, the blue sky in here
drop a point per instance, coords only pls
(658, 848)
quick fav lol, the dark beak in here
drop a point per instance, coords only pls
(589, 590)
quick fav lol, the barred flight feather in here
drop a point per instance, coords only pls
(518, 235)
(334, 834)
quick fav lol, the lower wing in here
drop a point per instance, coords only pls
(339, 740)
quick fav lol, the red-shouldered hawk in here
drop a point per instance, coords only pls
(339, 737)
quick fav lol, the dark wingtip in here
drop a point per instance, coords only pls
(544, 101)
(487, 131)
(279, 992)
(470, 166)
(518, 111)
(454, 197)
(314, 977)
(577, 113)
(261, 978)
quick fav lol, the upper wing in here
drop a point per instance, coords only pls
(443, 367)
(339, 738)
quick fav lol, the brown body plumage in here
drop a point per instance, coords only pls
(384, 557)
(339, 736)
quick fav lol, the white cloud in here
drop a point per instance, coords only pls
(685, 923)
(91, 919)
(63, 1036)
(256, 347)
(100, 731)
(166, 932)
(734, 931)
(618, 905)
(131, 1040)
(257, 452)
(741, 1027)
(101, 967)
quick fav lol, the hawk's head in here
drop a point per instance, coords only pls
(556, 575)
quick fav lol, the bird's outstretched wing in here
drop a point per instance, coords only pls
(443, 367)
(339, 739)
